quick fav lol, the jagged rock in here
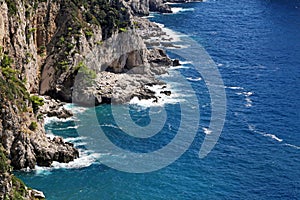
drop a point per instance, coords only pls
(176, 62)
(54, 108)
(37, 194)
(168, 93)
(139, 7)
(159, 6)
(142, 7)
(49, 47)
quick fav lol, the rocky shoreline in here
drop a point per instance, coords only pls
(61, 59)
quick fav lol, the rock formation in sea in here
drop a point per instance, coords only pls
(44, 47)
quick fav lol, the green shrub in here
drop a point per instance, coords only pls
(36, 102)
(122, 29)
(6, 61)
(89, 73)
(99, 42)
(33, 126)
(88, 33)
(12, 7)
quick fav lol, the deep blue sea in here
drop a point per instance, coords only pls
(256, 48)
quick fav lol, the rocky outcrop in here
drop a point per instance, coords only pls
(23, 136)
(69, 50)
(144, 7)
(10, 186)
(139, 7)
(45, 45)
(159, 6)
(54, 108)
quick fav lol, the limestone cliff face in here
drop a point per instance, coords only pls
(27, 29)
(144, 7)
(43, 46)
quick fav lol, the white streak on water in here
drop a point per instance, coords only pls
(207, 131)
(179, 9)
(194, 79)
(272, 136)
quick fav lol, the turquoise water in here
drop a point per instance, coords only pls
(256, 46)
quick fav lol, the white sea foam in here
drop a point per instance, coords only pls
(179, 67)
(206, 131)
(86, 158)
(74, 139)
(194, 79)
(272, 136)
(44, 171)
(149, 16)
(249, 102)
(178, 47)
(161, 100)
(179, 9)
(234, 87)
(247, 98)
(171, 35)
(50, 135)
(185, 62)
(170, 3)
(110, 125)
(49, 120)
(246, 95)
(67, 128)
(75, 108)
(182, 66)
(69, 106)
(291, 145)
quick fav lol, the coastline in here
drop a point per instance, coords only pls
(41, 149)
(157, 93)
(251, 157)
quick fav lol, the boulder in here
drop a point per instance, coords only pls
(159, 6)
(176, 62)
(167, 92)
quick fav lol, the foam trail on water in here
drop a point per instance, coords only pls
(74, 139)
(272, 136)
(66, 128)
(234, 88)
(293, 146)
(194, 79)
(179, 9)
(49, 120)
(179, 67)
(75, 108)
(110, 125)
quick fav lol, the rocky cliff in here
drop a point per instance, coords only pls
(44, 47)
